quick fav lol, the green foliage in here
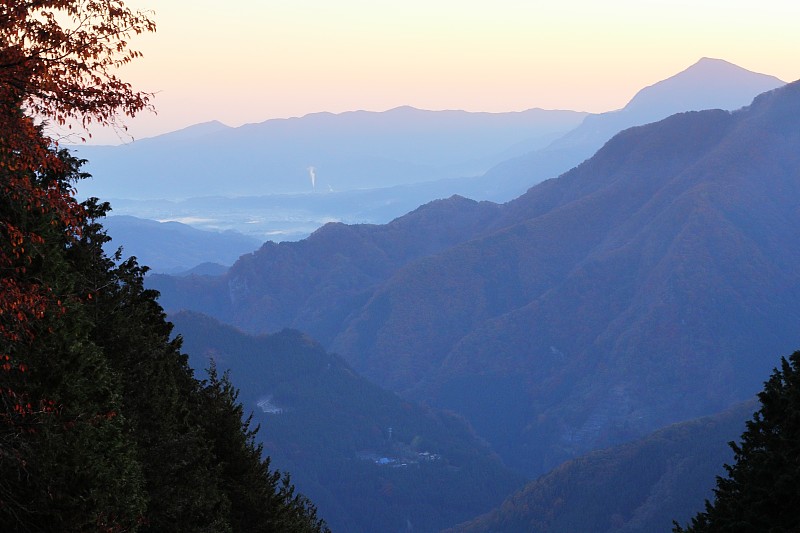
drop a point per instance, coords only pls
(66, 463)
(158, 390)
(103, 426)
(761, 491)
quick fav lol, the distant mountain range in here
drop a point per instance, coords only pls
(230, 178)
(655, 282)
(318, 152)
(708, 84)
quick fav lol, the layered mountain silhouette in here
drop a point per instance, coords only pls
(318, 152)
(314, 284)
(708, 84)
(238, 178)
(650, 284)
(369, 460)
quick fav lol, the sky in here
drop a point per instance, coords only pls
(243, 61)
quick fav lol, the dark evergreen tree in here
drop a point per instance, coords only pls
(103, 426)
(202, 467)
(158, 389)
(761, 492)
(261, 500)
(66, 463)
(101, 420)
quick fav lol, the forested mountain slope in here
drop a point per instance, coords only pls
(641, 289)
(636, 290)
(369, 460)
(314, 284)
(640, 486)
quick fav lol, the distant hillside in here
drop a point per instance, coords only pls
(370, 461)
(319, 152)
(313, 285)
(708, 84)
(644, 287)
(172, 247)
(633, 488)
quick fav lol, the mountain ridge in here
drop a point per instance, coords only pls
(698, 87)
(639, 486)
(564, 306)
(171, 246)
(404, 167)
(351, 150)
(730, 84)
(365, 254)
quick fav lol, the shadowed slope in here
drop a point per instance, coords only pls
(639, 291)
(314, 284)
(634, 291)
(635, 487)
(370, 460)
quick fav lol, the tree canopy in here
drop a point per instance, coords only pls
(59, 58)
(103, 426)
(761, 491)
(57, 63)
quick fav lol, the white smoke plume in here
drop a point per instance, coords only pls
(312, 173)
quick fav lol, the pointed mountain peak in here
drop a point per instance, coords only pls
(713, 61)
(709, 83)
(710, 66)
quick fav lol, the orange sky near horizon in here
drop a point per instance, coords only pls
(252, 60)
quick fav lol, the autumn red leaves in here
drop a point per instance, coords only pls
(58, 61)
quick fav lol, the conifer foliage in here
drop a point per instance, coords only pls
(102, 425)
(761, 491)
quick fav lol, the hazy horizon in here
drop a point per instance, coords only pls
(254, 61)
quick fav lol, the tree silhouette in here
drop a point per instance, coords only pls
(57, 62)
(102, 424)
(761, 491)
